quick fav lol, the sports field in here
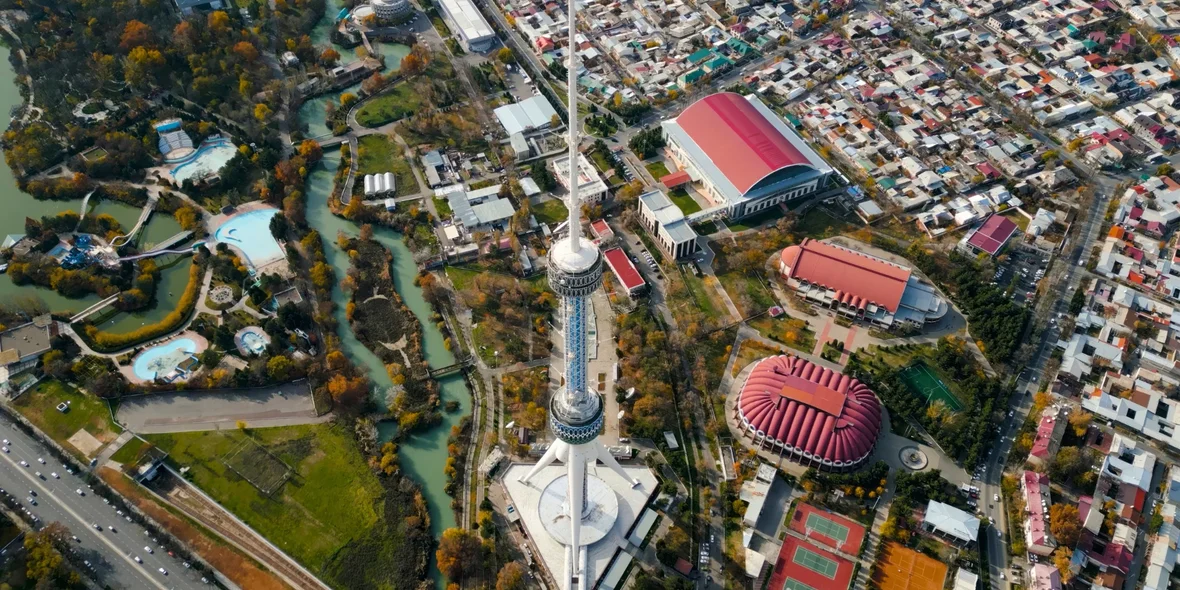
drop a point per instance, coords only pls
(925, 383)
(821, 527)
(816, 562)
(802, 565)
(905, 569)
(827, 528)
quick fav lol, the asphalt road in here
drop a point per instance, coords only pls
(111, 553)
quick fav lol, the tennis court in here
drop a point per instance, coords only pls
(924, 382)
(816, 562)
(905, 569)
(832, 530)
(793, 584)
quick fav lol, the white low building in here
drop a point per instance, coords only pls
(1139, 402)
(472, 29)
(591, 188)
(666, 223)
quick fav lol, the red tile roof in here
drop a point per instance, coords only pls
(628, 275)
(993, 234)
(858, 279)
(742, 143)
(837, 420)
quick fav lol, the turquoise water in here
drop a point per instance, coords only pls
(208, 160)
(163, 359)
(424, 454)
(254, 342)
(250, 233)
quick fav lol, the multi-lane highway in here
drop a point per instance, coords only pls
(111, 551)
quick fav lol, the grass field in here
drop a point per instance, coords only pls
(129, 452)
(703, 296)
(795, 333)
(461, 277)
(750, 351)
(687, 204)
(657, 169)
(551, 211)
(397, 103)
(748, 292)
(923, 382)
(332, 499)
(87, 412)
(380, 154)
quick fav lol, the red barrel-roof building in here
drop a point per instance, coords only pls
(744, 156)
(814, 415)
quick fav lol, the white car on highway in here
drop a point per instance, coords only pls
(149, 549)
(24, 463)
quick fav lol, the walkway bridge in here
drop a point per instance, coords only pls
(458, 367)
(93, 309)
(164, 247)
(143, 217)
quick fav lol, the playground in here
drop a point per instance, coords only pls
(922, 381)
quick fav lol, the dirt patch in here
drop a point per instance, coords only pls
(240, 569)
(85, 442)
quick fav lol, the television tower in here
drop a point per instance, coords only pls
(575, 413)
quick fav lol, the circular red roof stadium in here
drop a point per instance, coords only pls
(817, 414)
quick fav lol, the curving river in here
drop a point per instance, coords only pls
(424, 454)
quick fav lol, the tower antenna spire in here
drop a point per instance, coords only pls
(575, 204)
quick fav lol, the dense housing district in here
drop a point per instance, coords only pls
(625, 294)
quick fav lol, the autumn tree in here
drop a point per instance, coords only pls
(246, 51)
(460, 554)
(1080, 422)
(1061, 559)
(505, 55)
(135, 34)
(1065, 524)
(512, 577)
(261, 112)
(43, 561)
(329, 57)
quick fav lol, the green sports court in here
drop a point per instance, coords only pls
(832, 530)
(925, 383)
(816, 562)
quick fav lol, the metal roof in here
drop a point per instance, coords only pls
(738, 141)
(859, 279)
(530, 113)
(951, 521)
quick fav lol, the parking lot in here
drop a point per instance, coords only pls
(1021, 272)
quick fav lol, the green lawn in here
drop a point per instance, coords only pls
(443, 207)
(687, 204)
(551, 211)
(747, 292)
(657, 169)
(87, 412)
(332, 500)
(378, 154)
(395, 104)
(129, 452)
(790, 331)
(461, 277)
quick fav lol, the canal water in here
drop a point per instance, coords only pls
(18, 205)
(312, 112)
(424, 454)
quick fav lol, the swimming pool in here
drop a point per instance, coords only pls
(207, 160)
(254, 342)
(163, 359)
(250, 233)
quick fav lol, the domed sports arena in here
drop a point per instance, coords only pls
(817, 416)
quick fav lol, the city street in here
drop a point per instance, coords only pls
(110, 551)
